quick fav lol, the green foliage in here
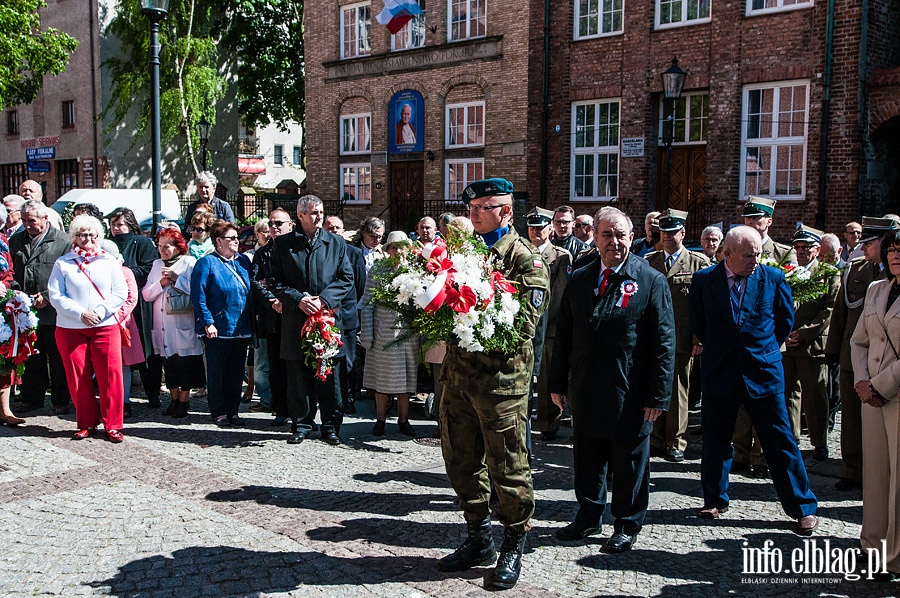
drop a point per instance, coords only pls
(27, 54)
(266, 38)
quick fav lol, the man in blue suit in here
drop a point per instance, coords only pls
(742, 312)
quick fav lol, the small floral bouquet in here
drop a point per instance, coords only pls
(18, 333)
(321, 341)
(451, 290)
(806, 285)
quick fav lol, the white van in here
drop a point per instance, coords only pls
(140, 201)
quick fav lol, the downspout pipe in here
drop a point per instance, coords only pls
(826, 118)
(862, 102)
(95, 109)
(545, 107)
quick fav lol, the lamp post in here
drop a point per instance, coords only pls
(673, 82)
(155, 11)
(203, 134)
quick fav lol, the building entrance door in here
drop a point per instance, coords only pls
(688, 185)
(407, 194)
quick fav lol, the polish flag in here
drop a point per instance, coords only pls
(398, 13)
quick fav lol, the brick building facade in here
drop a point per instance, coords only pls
(791, 99)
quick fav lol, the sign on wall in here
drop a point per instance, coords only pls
(632, 147)
(406, 124)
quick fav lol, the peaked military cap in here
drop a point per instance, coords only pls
(875, 228)
(671, 220)
(539, 217)
(759, 206)
(808, 234)
(486, 188)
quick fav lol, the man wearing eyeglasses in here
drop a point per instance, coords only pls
(852, 246)
(563, 225)
(485, 402)
(584, 229)
(310, 272)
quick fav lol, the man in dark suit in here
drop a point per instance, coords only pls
(742, 312)
(616, 334)
(34, 250)
(310, 272)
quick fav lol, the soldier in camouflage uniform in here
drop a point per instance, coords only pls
(757, 214)
(847, 309)
(485, 400)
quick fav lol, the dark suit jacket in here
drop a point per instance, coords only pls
(302, 267)
(350, 304)
(621, 358)
(745, 351)
(31, 269)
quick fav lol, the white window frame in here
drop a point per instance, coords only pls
(595, 150)
(456, 162)
(774, 141)
(603, 6)
(278, 150)
(689, 118)
(779, 7)
(346, 120)
(469, 22)
(363, 29)
(683, 21)
(464, 106)
(356, 166)
(408, 33)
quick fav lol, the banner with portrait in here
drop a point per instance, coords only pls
(406, 126)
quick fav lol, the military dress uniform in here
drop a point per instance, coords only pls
(847, 309)
(670, 428)
(781, 253)
(804, 364)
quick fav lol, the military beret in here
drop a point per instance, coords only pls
(875, 228)
(807, 234)
(671, 221)
(539, 217)
(486, 188)
(759, 206)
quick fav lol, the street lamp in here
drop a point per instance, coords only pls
(203, 134)
(673, 82)
(155, 11)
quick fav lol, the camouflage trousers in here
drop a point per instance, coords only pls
(483, 441)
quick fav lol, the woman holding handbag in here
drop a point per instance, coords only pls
(168, 289)
(87, 288)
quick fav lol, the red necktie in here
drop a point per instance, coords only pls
(604, 280)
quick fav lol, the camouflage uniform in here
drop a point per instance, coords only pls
(485, 404)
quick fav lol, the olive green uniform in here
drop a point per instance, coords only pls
(485, 403)
(847, 309)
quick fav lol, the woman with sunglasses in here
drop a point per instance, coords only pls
(223, 318)
(200, 243)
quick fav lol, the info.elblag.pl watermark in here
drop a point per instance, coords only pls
(817, 561)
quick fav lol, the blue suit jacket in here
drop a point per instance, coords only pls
(743, 350)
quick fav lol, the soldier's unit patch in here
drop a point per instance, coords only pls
(537, 297)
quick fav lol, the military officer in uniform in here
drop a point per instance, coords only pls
(804, 354)
(757, 214)
(485, 402)
(560, 263)
(678, 264)
(847, 309)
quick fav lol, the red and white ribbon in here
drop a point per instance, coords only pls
(435, 294)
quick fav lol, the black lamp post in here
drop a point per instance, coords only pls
(673, 82)
(203, 134)
(155, 11)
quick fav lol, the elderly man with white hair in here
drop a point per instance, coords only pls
(742, 312)
(13, 204)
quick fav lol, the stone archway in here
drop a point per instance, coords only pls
(883, 169)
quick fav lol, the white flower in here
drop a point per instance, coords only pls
(5, 332)
(26, 321)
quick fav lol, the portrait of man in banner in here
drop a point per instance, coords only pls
(405, 130)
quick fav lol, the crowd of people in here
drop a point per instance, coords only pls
(623, 334)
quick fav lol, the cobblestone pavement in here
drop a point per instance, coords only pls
(183, 508)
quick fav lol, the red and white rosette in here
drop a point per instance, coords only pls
(628, 288)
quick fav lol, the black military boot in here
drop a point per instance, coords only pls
(476, 551)
(509, 565)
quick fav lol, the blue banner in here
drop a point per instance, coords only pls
(40, 153)
(406, 128)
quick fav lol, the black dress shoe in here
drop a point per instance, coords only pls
(619, 542)
(331, 437)
(845, 484)
(349, 407)
(675, 456)
(820, 454)
(579, 529)
(296, 437)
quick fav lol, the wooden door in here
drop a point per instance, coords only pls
(407, 194)
(687, 189)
